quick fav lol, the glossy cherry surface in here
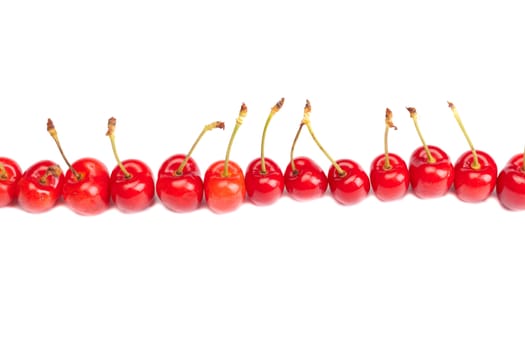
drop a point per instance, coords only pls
(510, 186)
(475, 185)
(40, 187)
(180, 193)
(430, 179)
(392, 183)
(264, 188)
(10, 174)
(224, 193)
(351, 187)
(308, 181)
(89, 194)
(135, 192)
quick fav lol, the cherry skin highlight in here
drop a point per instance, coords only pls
(180, 193)
(10, 174)
(350, 187)
(307, 181)
(136, 192)
(510, 186)
(40, 187)
(392, 183)
(89, 193)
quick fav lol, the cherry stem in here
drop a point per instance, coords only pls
(112, 124)
(52, 131)
(306, 121)
(274, 110)
(388, 124)
(53, 170)
(3, 172)
(211, 126)
(475, 162)
(238, 123)
(292, 162)
(414, 116)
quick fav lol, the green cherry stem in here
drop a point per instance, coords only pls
(274, 110)
(292, 161)
(112, 124)
(52, 131)
(388, 124)
(306, 121)
(475, 162)
(238, 123)
(414, 116)
(211, 126)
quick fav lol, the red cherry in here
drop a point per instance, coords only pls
(131, 181)
(88, 192)
(179, 183)
(430, 170)
(224, 193)
(40, 187)
(350, 186)
(264, 178)
(304, 179)
(475, 185)
(430, 179)
(388, 172)
(135, 192)
(510, 187)
(86, 188)
(224, 184)
(181, 193)
(390, 183)
(10, 174)
(475, 172)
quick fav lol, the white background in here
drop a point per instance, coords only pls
(411, 274)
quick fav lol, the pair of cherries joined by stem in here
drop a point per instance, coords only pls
(305, 179)
(87, 187)
(432, 174)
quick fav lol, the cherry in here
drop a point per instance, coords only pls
(430, 170)
(10, 174)
(389, 172)
(264, 178)
(224, 184)
(179, 183)
(40, 187)
(86, 188)
(131, 181)
(510, 186)
(304, 179)
(475, 172)
(348, 182)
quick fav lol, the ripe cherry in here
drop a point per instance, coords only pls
(264, 178)
(179, 183)
(475, 172)
(304, 179)
(510, 186)
(431, 172)
(224, 184)
(131, 181)
(86, 183)
(389, 172)
(10, 174)
(348, 182)
(40, 187)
